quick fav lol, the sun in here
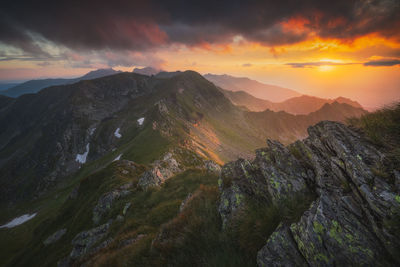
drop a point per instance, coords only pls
(326, 67)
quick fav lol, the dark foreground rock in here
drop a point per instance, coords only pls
(352, 221)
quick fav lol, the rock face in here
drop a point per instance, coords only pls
(105, 202)
(352, 222)
(161, 171)
(84, 241)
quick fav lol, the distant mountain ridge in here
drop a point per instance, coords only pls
(34, 86)
(304, 104)
(5, 86)
(260, 90)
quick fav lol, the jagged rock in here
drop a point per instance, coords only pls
(260, 179)
(105, 202)
(161, 171)
(83, 242)
(349, 222)
(55, 237)
(231, 200)
(282, 252)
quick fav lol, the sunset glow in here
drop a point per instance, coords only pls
(316, 51)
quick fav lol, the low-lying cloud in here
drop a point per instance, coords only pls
(316, 64)
(382, 63)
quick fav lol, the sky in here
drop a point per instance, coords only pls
(336, 48)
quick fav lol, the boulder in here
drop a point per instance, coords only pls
(55, 237)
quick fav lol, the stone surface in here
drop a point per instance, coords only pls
(105, 202)
(349, 223)
(84, 241)
(161, 171)
(55, 237)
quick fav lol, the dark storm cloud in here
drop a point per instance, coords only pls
(383, 63)
(137, 25)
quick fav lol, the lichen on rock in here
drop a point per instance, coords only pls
(343, 226)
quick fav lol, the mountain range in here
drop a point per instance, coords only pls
(260, 90)
(240, 91)
(155, 170)
(46, 131)
(34, 86)
(296, 105)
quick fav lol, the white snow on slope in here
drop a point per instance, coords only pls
(117, 134)
(118, 158)
(81, 158)
(140, 121)
(19, 220)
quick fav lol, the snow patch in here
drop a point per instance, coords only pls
(81, 158)
(140, 121)
(19, 220)
(117, 134)
(118, 158)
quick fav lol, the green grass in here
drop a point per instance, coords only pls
(382, 128)
(150, 209)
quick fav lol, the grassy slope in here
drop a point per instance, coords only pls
(383, 129)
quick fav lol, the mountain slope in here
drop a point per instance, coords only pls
(297, 105)
(35, 86)
(50, 135)
(331, 186)
(254, 88)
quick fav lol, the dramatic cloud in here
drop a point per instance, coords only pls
(383, 63)
(141, 25)
(316, 64)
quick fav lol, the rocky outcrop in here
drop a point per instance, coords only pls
(352, 221)
(105, 202)
(172, 163)
(161, 171)
(84, 241)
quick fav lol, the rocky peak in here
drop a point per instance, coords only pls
(352, 219)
